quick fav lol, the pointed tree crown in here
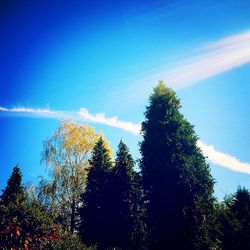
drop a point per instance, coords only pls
(163, 107)
(241, 202)
(162, 91)
(124, 159)
(101, 155)
(14, 188)
(94, 213)
(173, 166)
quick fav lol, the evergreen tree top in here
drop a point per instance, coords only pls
(241, 199)
(242, 193)
(175, 175)
(124, 158)
(122, 148)
(13, 188)
(161, 91)
(101, 155)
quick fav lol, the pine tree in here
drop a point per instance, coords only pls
(23, 222)
(176, 178)
(235, 221)
(95, 214)
(128, 211)
(14, 189)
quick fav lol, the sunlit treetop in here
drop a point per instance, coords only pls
(161, 90)
(72, 139)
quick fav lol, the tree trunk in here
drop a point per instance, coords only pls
(72, 217)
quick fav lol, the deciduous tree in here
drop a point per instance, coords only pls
(66, 155)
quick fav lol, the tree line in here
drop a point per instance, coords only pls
(90, 200)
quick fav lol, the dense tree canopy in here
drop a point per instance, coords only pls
(169, 204)
(234, 221)
(24, 223)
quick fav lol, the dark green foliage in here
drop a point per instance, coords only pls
(13, 189)
(23, 222)
(234, 219)
(126, 204)
(95, 214)
(176, 178)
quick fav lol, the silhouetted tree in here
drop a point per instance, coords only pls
(176, 178)
(24, 223)
(95, 214)
(14, 189)
(126, 203)
(234, 219)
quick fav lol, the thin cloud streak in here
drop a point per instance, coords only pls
(213, 155)
(110, 121)
(82, 116)
(223, 159)
(215, 58)
(23, 110)
(231, 40)
(211, 59)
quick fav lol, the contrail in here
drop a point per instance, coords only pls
(215, 58)
(83, 115)
(210, 60)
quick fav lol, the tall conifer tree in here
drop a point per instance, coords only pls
(176, 178)
(128, 210)
(95, 214)
(14, 189)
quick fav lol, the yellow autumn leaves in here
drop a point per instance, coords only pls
(78, 138)
(66, 155)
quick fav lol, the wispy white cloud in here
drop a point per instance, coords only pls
(223, 159)
(110, 121)
(83, 115)
(23, 110)
(212, 59)
(213, 155)
(235, 40)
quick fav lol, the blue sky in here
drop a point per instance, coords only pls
(106, 56)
